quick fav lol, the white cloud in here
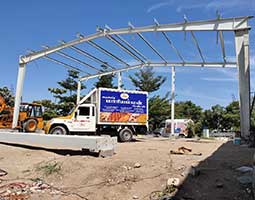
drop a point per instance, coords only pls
(217, 79)
(189, 92)
(217, 5)
(189, 7)
(220, 4)
(230, 73)
(159, 5)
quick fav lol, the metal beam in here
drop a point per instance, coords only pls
(103, 50)
(195, 41)
(221, 40)
(74, 59)
(163, 64)
(84, 53)
(170, 42)
(65, 65)
(148, 43)
(112, 39)
(222, 46)
(128, 44)
(227, 24)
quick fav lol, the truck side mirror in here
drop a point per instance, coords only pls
(75, 114)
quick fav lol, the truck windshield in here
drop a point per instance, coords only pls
(71, 111)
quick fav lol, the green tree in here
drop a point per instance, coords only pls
(159, 110)
(7, 94)
(50, 109)
(105, 81)
(145, 80)
(65, 96)
(188, 110)
(232, 116)
(214, 118)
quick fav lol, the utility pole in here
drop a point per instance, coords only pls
(172, 100)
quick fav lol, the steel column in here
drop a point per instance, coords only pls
(119, 80)
(242, 54)
(172, 100)
(18, 96)
(78, 92)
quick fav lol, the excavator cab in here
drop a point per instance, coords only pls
(30, 117)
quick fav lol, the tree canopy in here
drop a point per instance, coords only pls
(65, 96)
(7, 94)
(105, 81)
(145, 80)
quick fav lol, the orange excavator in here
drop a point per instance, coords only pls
(30, 116)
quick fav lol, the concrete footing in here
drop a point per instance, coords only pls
(98, 144)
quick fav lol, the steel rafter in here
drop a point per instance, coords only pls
(128, 44)
(148, 43)
(64, 64)
(74, 59)
(90, 56)
(170, 42)
(227, 24)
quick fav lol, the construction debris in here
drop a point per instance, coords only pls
(184, 151)
(137, 165)
(3, 173)
(23, 190)
(173, 181)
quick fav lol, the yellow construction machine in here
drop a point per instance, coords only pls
(30, 116)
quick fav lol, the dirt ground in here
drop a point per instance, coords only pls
(136, 170)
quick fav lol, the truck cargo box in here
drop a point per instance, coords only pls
(122, 107)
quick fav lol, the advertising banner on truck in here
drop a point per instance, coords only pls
(119, 106)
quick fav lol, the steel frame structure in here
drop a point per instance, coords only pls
(238, 25)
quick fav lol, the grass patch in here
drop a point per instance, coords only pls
(50, 168)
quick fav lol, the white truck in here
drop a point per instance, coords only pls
(180, 127)
(105, 111)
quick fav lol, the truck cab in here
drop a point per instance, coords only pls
(81, 119)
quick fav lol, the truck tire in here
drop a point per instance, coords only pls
(58, 130)
(125, 135)
(30, 125)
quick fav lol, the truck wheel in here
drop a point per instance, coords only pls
(125, 135)
(58, 130)
(30, 125)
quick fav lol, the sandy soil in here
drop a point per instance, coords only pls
(83, 176)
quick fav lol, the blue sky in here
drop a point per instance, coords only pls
(30, 24)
